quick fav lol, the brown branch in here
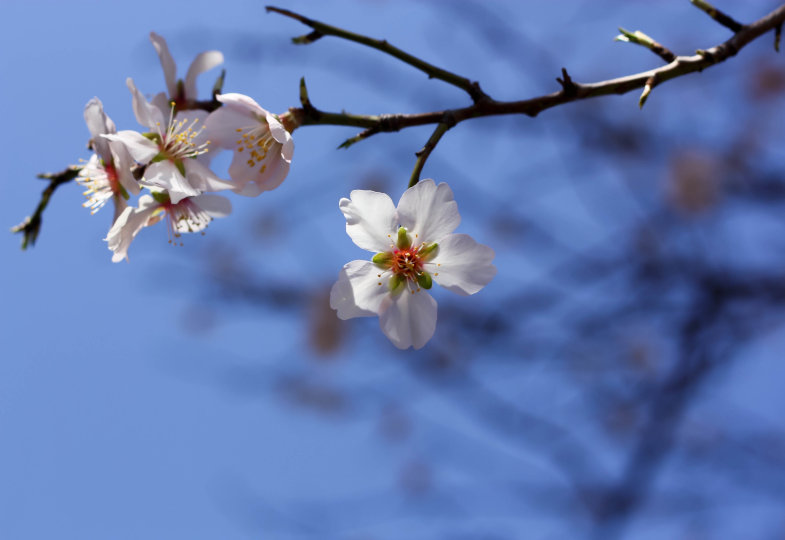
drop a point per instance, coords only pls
(571, 91)
(32, 224)
(321, 29)
(718, 15)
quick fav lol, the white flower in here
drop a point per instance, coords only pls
(170, 150)
(189, 215)
(414, 246)
(262, 143)
(107, 175)
(183, 93)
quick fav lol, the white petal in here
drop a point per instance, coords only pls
(240, 102)
(165, 175)
(147, 114)
(203, 62)
(287, 150)
(251, 189)
(428, 210)
(358, 292)
(215, 205)
(462, 265)
(98, 124)
(140, 147)
(410, 319)
(167, 63)
(222, 124)
(201, 178)
(122, 164)
(370, 219)
(127, 226)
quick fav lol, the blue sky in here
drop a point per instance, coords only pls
(134, 403)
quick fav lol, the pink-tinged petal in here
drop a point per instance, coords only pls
(147, 114)
(277, 130)
(429, 211)
(203, 62)
(370, 219)
(164, 174)
(98, 123)
(275, 173)
(222, 124)
(167, 63)
(287, 149)
(120, 205)
(250, 180)
(410, 319)
(215, 205)
(462, 265)
(358, 292)
(241, 102)
(140, 147)
(122, 164)
(127, 226)
(201, 178)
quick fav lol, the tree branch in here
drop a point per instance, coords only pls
(433, 72)
(32, 224)
(571, 91)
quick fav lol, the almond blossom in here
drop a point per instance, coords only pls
(414, 247)
(262, 142)
(170, 150)
(188, 215)
(107, 175)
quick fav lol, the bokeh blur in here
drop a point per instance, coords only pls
(620, 378)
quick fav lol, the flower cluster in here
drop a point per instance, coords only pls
(413, 243)
(171, 157)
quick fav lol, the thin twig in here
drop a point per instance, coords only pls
(321, 29)
(32, 224)
(423, 154)
(718, 15)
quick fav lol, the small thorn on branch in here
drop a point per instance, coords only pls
(718, 15)
(777, 37)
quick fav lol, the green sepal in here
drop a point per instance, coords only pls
(404, 242)
(124, 193)
(424, 280)
(396, 282)
(180, 167)
(382, 260)
(151, 135)
(428, 251)
(161, 197)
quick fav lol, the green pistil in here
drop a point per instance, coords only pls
(404, 242)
